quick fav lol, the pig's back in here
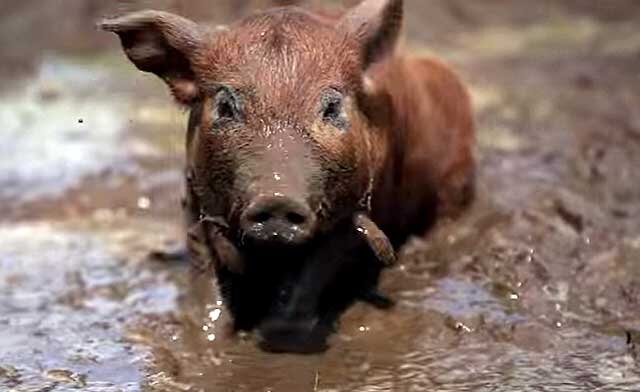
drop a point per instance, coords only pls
(429, 170)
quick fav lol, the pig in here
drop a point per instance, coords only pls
(314, 150)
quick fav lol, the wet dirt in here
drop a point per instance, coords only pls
(536, 287)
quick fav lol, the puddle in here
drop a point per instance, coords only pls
(535, 288)
(66, 297)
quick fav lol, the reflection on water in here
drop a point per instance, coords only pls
(61, 300)
(536, 288)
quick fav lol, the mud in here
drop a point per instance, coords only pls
(536, 287)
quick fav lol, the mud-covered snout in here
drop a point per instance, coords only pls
(277, 219)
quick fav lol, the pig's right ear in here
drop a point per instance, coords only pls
(164, 44)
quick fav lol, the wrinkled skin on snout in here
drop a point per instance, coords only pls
(299, 159)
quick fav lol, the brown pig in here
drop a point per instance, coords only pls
(314, 150)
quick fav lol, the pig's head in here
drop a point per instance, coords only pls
(283, 144)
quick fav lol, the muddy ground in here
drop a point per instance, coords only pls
(536, 288)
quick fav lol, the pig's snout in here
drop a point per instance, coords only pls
(277, 220)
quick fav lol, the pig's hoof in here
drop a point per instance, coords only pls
(378, 300)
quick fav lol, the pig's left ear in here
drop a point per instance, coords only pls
(163, 44)
(376, 25)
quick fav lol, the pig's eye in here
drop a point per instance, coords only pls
(333, 110)
(225, 109)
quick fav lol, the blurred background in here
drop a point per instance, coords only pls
(537, 286)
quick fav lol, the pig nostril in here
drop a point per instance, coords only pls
(261, 217)
(295, 218)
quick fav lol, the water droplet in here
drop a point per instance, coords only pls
(211, 337)
(461, 327)
(215, 314)
(144, 203)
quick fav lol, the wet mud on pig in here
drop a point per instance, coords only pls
(314, 150)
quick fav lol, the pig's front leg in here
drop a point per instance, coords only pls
(207, 244)
(375, 238)
(222, 251)
(380, 246)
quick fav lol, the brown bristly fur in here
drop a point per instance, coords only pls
(318, 112)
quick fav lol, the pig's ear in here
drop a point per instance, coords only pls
(164, 44)
(376, 25)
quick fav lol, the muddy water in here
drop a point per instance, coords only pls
(537, 287)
